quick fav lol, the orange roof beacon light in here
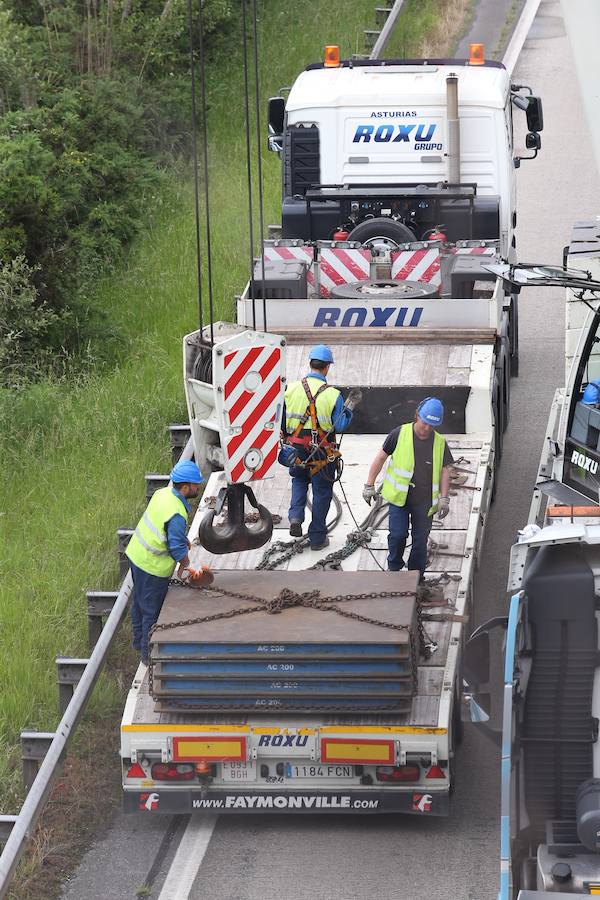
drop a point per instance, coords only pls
(476, 55)
(331, 60)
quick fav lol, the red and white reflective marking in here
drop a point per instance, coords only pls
(252, 403)
(484, 251)
(417, 265)
(338, 266)
(304, 254)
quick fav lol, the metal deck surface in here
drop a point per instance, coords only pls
(457, 536)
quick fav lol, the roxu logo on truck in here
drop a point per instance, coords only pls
(397, 134)
(283, 740)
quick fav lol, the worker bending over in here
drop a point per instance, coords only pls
(313, 412)
(415, 483)
(158, 543)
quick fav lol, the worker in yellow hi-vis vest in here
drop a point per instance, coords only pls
(158, 544)
(313, 412)
(415, 483)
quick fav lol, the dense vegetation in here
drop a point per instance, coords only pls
(94, 102)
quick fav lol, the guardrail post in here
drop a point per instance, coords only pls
(69, 672)
(99, 606)
(123, 538)
(34, 746)
(154, 482)
(6, 826)
(180, 435)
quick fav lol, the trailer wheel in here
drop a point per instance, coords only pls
(513, 315)
(383, 232)
(503, 377)
(498, 423)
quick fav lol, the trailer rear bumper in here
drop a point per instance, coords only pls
(185, 801)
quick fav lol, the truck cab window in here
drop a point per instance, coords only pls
(582, 450)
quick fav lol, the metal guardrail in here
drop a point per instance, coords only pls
(80, 676)
(386, 32)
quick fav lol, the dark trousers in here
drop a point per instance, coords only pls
(400, 517)
(322, 493)
(149, 592)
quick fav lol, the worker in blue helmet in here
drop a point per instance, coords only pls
(591, 395)
(158, 544)
(313, 412)
(415, 483)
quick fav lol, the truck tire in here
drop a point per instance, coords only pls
(503, 376)
(388, 230)
(514, 334)
(498, 429)
(386, 289)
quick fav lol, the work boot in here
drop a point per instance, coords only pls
(295, 528)
(320, 546)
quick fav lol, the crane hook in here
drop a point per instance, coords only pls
(235, 535)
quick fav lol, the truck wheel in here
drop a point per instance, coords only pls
(514, 334)
(498, 429)
(382, 231)
(386, 289)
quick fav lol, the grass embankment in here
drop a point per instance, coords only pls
(73, 456)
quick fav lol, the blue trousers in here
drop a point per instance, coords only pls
(399, 519)
(322, 493)
(149, 592)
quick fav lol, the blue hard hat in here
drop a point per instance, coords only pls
(591, 395)
(322, 353)
(186, 471)
(431, 411)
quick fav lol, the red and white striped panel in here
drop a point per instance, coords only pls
(304, 254)
(484, 251)
(338, 266)
(249, 407)
(417, 265)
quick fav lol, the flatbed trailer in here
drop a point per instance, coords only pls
(299, 777)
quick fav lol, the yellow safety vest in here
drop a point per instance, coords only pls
(401, 466)
(148, 548)
(296, 404)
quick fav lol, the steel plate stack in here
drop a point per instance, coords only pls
(302, 659)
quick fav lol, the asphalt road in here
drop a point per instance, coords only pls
(339, 858)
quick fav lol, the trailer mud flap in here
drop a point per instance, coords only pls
(417, 802)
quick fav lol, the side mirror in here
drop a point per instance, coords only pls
(534, 114)
(476, 660)
(533, 141)
(476, 697)
(275, 118)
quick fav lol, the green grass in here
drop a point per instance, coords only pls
(73, 456)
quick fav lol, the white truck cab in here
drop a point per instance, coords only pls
(413, 147)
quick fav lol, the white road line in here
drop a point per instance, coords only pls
(188, 858)
(519, 35)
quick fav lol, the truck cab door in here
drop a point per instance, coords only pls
(581, 469)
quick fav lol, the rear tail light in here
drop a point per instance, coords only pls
(436, 772)
(173, 771)
(397, 773)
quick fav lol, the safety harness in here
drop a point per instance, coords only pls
(322, 450)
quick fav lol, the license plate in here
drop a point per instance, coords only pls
(322, 771)
(238, 771)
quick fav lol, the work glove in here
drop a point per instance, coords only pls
(369, 493)
(198, 577)
(443, 507)
(353, 399)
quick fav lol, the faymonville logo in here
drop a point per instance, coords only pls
(584, 462)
